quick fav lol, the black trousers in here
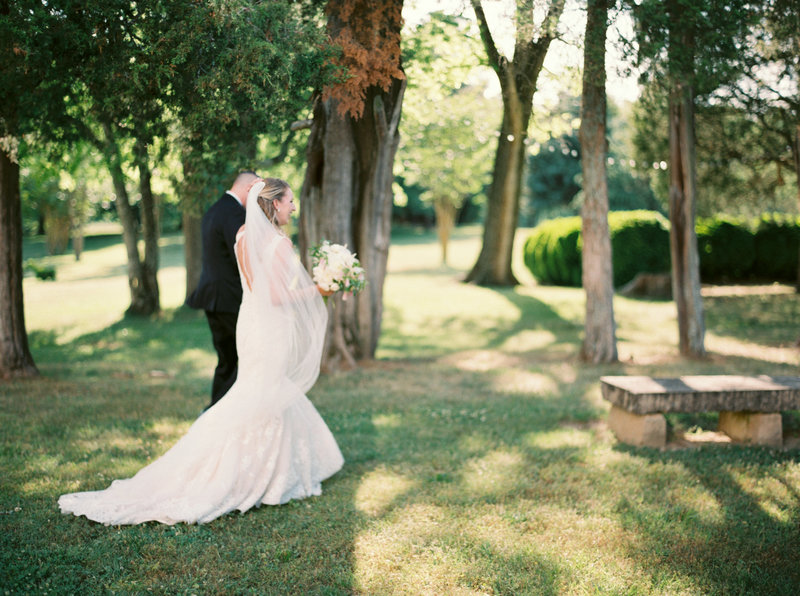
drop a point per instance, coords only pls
(223, 334)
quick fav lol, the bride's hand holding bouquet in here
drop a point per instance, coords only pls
(336, 269)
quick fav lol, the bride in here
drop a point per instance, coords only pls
(263, 442)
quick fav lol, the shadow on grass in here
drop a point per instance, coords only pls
(733, 544)
(133, 344)
(98, 415)
(437, 335)
(768, 319)
(171, 254)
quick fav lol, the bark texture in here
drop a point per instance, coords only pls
(599, 342)
(518, 78)
(347, 198)
(143, 284)
(683, 239)
(15, 356)
(347, 191)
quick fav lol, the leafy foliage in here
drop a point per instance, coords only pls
(639, 243)
(776, 242)
(448, 122)
(368, 36)
(726, 247)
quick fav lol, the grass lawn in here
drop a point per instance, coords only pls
(478, 460)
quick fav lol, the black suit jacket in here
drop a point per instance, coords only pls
(219, 288)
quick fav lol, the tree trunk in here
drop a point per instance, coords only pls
(150, 232)
(15, 355)
(493, 267)
(599, 342)
(192, 249)
(796, 156)
(518, 80)
(683, 239)
(189, 192)
(445, 220)
(347, 198)
(142, 300)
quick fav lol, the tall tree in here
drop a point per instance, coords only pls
(118, 104)
(347, 191)
(692, 45)
(518, 78)
(30, 102)
(599, 342)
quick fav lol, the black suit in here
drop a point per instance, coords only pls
(219, 291)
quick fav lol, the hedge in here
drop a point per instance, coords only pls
(730, 250)
(639, 242)
(776, 243)
(726, 248)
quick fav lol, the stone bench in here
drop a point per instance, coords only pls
(749, 406)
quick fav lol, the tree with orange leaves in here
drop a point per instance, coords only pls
(347, 191)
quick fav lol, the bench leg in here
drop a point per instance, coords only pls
(753, 427)
(644, 430)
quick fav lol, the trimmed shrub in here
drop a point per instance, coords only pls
(552, 253)
(639, 242)
(776, 243)
(726, 248)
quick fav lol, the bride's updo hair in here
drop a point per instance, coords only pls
(274, 189)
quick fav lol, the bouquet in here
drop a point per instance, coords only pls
(335, 268)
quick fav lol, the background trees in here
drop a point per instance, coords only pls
(191, 92)
(30, 94)
(449, 124)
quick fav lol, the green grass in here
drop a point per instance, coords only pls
(477, 456)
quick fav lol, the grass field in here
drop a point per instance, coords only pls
(477, 456)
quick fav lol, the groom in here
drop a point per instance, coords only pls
(219, 291)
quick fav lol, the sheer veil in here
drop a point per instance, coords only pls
(288, 306)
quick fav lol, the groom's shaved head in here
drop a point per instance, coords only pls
(242, 184)
(245, 178)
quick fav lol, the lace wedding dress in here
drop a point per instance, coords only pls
(263, 442)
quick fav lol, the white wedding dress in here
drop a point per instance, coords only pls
(263, 442)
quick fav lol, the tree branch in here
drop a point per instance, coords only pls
(496, 61)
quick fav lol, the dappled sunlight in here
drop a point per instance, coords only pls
(159, 435)
(775, 498)
(523, 381)
(198, 357)
(407, 555)
(731, 346)
(387, 421)
(480, 360)
(528, 340)
(379, 489)
(494, 474)
(559, 438)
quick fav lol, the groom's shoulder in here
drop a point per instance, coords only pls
(225, 204)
